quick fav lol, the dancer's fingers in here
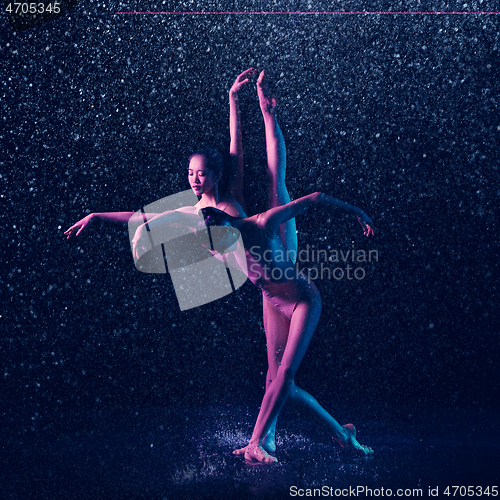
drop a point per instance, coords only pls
(248, 71)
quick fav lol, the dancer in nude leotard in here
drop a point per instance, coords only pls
(204, 174)
(292, 296)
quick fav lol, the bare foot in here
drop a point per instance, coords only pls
(240, 451)
(269, 442)
(267, 102)
(258, 453)
(352, 445)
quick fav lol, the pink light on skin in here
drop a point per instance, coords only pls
(332, 13)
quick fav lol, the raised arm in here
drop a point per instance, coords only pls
(235, 187)
(272, 219)
(123, 217)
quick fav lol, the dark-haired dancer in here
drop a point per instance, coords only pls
(204, 174)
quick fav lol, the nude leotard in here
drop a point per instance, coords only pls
(284, 297)
(283, 294)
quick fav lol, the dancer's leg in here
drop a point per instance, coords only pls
(276, 326)
(345, 435)
(281, 385)
(276, 161)
(277, 335)
(302, 326)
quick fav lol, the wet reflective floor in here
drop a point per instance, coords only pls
(186, 454)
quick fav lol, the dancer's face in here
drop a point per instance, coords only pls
(201, 178)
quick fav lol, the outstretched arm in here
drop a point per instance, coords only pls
(235, 187)
(123, 217)
(277, 215)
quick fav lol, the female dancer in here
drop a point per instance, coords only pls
(290, 293)
(205, 172)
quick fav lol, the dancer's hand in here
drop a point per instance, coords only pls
(140, 242)
(366, 224)
(80, 226)
(241, 80)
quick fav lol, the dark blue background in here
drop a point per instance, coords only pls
(396, 114)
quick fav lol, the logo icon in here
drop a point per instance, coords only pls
(199, 274)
